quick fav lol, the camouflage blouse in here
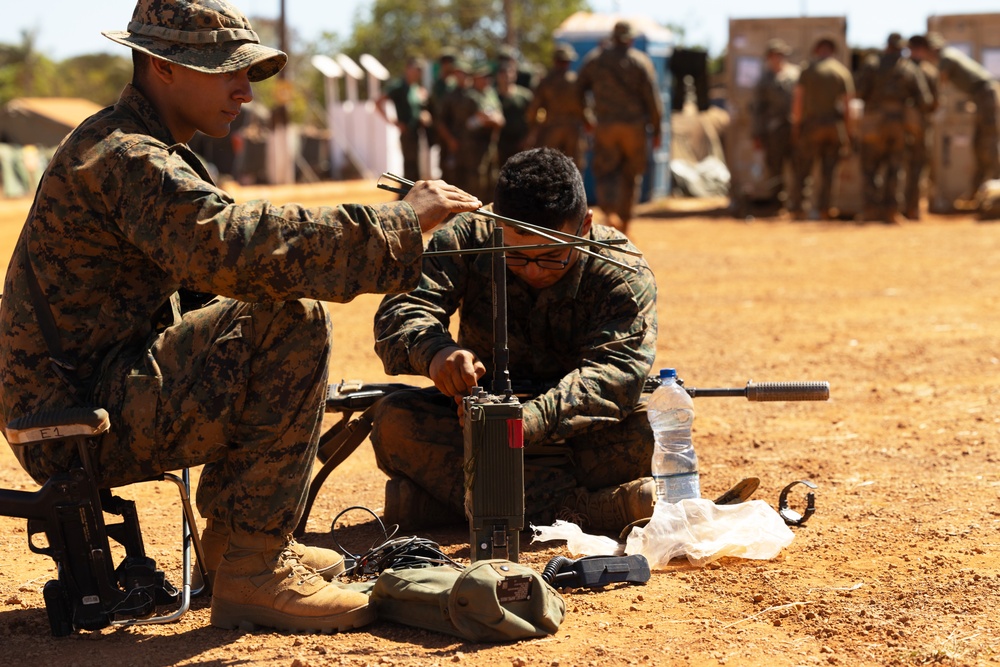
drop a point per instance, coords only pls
(125, 217)
(591, 337)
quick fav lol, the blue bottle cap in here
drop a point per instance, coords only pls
(668, 373)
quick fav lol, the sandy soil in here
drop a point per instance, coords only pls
(898, 566)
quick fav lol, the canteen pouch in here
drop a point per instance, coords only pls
(492, 600)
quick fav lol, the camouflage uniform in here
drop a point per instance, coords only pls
(478, 144)
(457, 107)
(971, 78)
(627, 107)
(562, 127)
(123, 219)
(772, 126)
(824, 85)
(591, 337)
(410, 101)
(918, 123)
(889, 85)
(514, 101)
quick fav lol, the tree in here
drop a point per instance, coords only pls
(396, 29)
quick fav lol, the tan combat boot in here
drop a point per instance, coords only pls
(612, 508)
(261, 582)
(215, 538)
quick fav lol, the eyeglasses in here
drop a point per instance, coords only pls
(542, 262)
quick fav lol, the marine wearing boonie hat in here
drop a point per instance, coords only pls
(209, 36)
(565, 53)
(778, 46)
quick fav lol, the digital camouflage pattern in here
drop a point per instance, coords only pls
(457, 107)
(890, 85)
(623, 83)
(514, 101)
(123, 219)
(825, 86)
(772, 124)
(973, 79)
(627, 106)
(205, 35)
(564, 115)
(591, 337)
(918, 126)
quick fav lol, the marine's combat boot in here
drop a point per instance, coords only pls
(215, 537)
(612, 508)
(262, 582)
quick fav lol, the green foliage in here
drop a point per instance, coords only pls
(396, 29)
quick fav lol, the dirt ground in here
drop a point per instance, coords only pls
(899, 565)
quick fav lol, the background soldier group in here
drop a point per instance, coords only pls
(803, 116)
(481, 115)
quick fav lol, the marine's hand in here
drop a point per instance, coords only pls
(455, 371)
(436, 201)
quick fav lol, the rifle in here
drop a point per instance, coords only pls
(90, 592)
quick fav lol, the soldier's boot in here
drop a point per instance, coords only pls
(215, 538)
(612, 508)
(889, 216)
(261, 582)
(912, 213)
(412, 508)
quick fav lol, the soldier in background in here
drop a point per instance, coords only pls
(526, 77)
(971, 78)
(478, 146)
(452, 114)
(557, 114)
(772, 114)
(821, 127)
(444, 81)
(889, 84)
(918, 126)
(514, 101)
(410, 99)
(628, 111)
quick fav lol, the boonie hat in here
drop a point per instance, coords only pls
(205, 35)
(565, 52)
(777, 45)
(936, 41)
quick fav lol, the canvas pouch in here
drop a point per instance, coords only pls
(489, 601)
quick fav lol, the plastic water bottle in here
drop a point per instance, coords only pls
(675, 464)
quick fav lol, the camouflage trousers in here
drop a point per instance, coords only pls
(239, 387)
(883, 147)
(817, 141)
(916, 162)
(620, 157)
(416, 434)
(409, 144)
(777, 153)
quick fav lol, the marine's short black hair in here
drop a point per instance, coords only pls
(541, 186)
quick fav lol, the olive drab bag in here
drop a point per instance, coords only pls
(489, 601)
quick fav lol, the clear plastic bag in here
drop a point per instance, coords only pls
(577, 542)
(704, 532)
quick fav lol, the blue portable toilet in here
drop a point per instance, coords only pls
(586, 31)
